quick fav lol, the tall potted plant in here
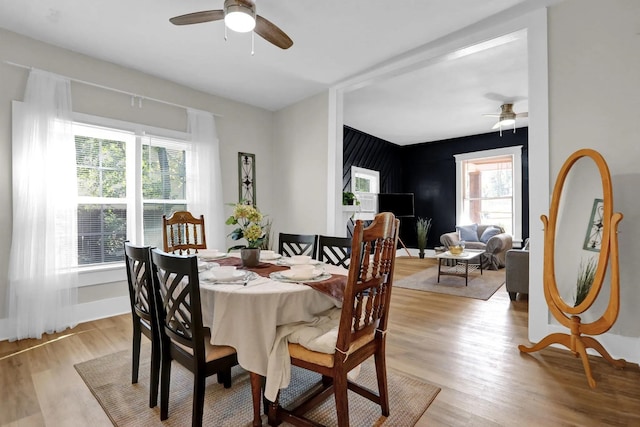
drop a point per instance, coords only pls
(423, 225)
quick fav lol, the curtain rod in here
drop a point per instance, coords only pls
(133, 95)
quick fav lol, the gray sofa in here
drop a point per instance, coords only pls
(495, 248)
(517, 272)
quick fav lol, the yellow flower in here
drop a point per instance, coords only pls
(243, 211)
(253, 232)
(248, 220)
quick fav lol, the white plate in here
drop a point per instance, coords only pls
(280, 277)
(203, 266)
(271, 258)
(210, 275)
(288, 261)
(205, 254)
(299, 275)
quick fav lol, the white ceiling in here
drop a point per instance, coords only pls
(334, 40)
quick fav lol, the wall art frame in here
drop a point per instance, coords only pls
(247, 178)
(593, 239)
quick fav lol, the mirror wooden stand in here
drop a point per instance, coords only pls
(607, 246)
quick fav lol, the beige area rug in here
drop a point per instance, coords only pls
(126, 404)
(479, 287)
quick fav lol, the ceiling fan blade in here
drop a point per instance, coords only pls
(496, 126)
(526, 114)
(198, 17)
(491, 115)
(271, 33)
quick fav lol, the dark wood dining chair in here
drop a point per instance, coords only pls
(297, 244)
(334, 250)
(361, 331)
(183, 233)
(138, 262)
(183, 338)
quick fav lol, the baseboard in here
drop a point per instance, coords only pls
(102, 308)
(428, 253)
(86, 312)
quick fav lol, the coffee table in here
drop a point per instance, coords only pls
(461, 267)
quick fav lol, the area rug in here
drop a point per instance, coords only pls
(126, 404)
(479, 287)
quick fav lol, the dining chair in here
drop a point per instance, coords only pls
(182, 232)
(183, 338)
(297, 244)
(143, 314)
(334, 250)
(361, 330)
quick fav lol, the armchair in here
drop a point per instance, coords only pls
(495, 247)
(517, 272)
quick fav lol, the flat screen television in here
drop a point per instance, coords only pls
(399, 204)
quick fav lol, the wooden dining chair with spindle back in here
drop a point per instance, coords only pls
(182, 233)
(143, 313)
(361, 330)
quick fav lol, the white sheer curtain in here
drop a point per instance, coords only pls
(204, 179)
(42, 275)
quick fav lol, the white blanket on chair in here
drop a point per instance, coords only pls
(319, 335)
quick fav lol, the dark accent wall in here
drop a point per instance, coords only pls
(366, 151)
(429, 171)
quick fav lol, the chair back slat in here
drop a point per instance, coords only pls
(368, 291)
(334, 250)
(182, 233)
(297, 244)
(178, 292)
(138, 266)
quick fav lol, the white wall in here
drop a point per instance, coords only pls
(241, 128)
(594, 102)
(301, 165)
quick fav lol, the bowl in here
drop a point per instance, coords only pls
(302, 271)
(224, 272)
(267, 254)
(456, 250)
(300, 259)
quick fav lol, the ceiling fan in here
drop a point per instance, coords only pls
(506, 117)
(239, 16)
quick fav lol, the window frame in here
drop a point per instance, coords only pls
(95, 274)
(516, 153)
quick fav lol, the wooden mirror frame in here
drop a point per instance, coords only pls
(568, 315)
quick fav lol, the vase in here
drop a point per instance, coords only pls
(250, 257)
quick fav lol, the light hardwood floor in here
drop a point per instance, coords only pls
(465, 346)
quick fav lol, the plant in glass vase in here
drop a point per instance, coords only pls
(248, 220)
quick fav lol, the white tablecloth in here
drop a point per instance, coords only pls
(246, 318)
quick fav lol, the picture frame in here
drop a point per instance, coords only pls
(593, 239)
(247, 178)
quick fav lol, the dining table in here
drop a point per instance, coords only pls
(253, 316)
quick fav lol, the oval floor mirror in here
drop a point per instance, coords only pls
(580, 244)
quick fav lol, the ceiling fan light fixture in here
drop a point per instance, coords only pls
(239, 18)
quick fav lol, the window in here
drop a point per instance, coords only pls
(126, 182)
(163, 185)
(365, 184)
(364, 180)
(489, 189)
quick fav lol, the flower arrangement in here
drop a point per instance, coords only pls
(248, 218)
